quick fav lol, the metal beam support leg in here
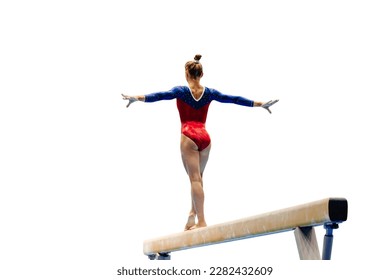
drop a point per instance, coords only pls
(161, 256)
(164, 256)
(328, 241)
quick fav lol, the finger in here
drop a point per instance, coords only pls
(272, 102)
(128, 104)
(125, 97)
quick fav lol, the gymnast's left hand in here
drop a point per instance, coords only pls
(131, 99)
(269, 104)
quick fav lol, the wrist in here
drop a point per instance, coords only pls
(140, 98)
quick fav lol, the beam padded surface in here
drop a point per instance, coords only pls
(329, 210)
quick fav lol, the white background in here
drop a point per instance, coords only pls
(84, 180)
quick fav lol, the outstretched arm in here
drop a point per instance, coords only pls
(225, 98)
(218, 96)
(153, 97)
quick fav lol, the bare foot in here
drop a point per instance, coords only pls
(190, 222)
(197, 226)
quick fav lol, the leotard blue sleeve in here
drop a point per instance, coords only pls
(163, 95)
(224, 98)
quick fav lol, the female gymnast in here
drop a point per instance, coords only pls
(193, 102)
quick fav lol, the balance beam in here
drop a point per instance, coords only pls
(328, 212)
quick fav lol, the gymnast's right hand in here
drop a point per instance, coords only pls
(131, 99)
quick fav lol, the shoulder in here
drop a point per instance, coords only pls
(212, 92)
(179, 89)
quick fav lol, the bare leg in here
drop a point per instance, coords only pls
(195, 163)
(203, 158)
(192, 214)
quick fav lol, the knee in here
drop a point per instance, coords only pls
(195, 178)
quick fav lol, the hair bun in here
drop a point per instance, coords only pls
(197, 57)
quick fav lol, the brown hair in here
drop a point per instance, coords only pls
(194, 67)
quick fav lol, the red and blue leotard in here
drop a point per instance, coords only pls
(193, 112)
